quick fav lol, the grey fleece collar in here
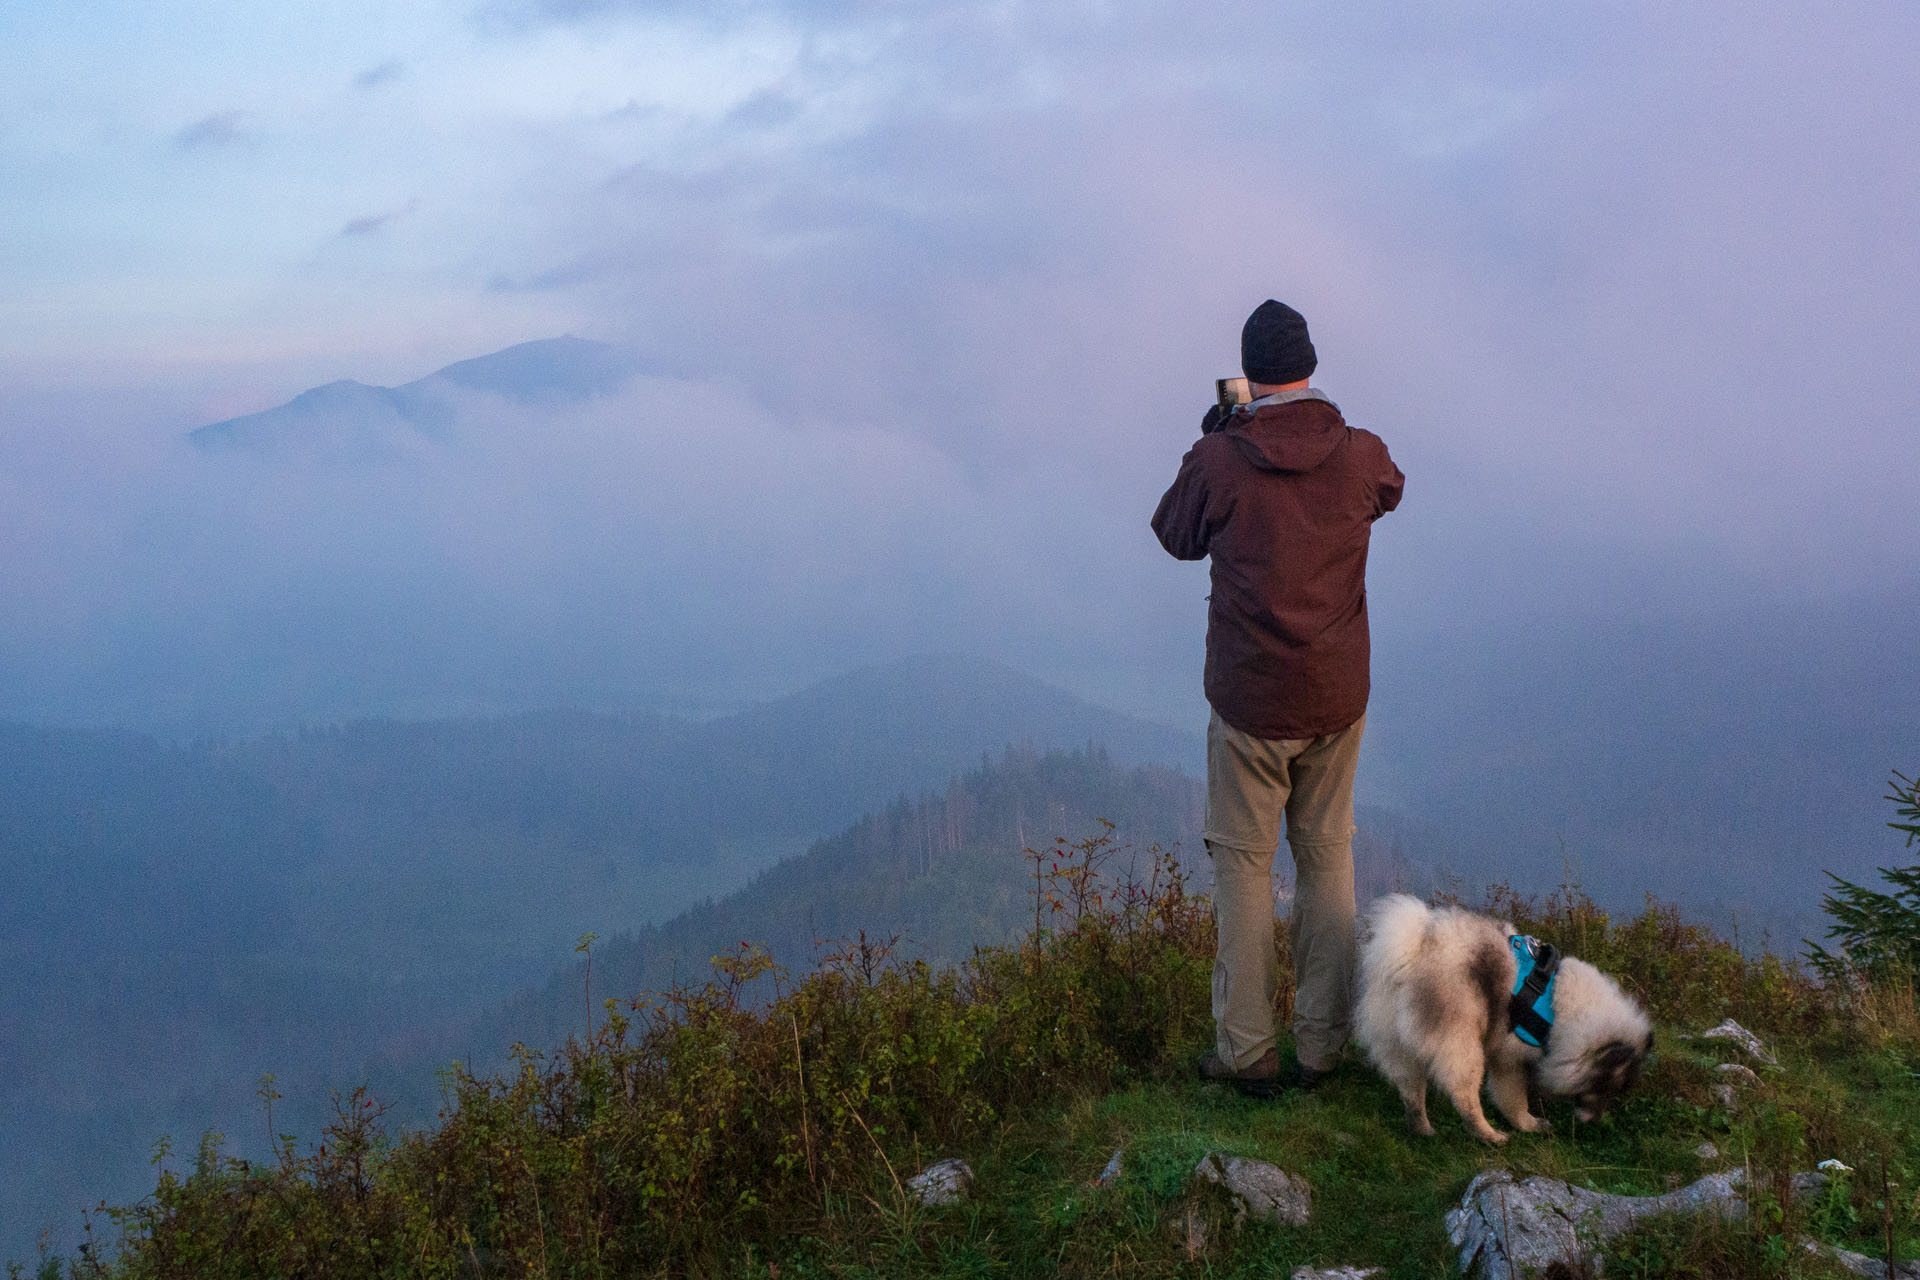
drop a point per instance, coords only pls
(1286, 397)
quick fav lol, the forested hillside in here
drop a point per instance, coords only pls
(932, 878)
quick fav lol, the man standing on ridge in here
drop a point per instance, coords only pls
(1282, 494)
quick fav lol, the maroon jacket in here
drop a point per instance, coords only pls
(1283, 500)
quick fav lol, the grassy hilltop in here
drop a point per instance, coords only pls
(709, 1131)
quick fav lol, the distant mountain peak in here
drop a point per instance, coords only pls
(355, 418)
(340, 386)
(563, 368)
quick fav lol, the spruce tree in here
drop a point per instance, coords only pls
(1878, 933)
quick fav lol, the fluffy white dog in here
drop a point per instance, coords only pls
(1460, 998)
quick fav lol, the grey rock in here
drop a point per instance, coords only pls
(1861, 1265)
(1262, 1190)
(946, 1182)
(1731, 1030)
(1726, 1097)
(1706, 1151)
(1505, 1229)
(1111, 1174)
(1736, 1072)
(1335, 1273)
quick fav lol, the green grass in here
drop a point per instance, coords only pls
(1381, 1194)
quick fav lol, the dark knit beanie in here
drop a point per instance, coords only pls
(1274, 347)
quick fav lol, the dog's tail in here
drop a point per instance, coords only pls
(1396, 928)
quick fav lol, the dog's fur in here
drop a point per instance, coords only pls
(1434, 985)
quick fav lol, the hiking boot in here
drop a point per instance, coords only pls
(1295, 1074)
(1258, 1079)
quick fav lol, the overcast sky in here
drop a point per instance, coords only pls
(1627, 288)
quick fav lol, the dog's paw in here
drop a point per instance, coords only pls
(1493, 1137)
(1423, 1128)
(1537, 1124)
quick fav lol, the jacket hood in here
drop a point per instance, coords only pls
(1289, 438)
(1295, 437)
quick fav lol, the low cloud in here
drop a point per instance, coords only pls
(674, 536)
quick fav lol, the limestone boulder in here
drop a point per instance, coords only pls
(1748, 1042)
(1505, 1229)
(944, 1183)
(1260, 1190)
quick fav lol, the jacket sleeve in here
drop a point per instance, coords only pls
(1180, 522)
(1389, 484)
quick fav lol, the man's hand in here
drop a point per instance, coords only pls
(1217, 415)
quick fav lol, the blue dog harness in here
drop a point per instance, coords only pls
(1530, 1009)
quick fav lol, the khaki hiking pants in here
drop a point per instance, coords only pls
(1251, 782)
